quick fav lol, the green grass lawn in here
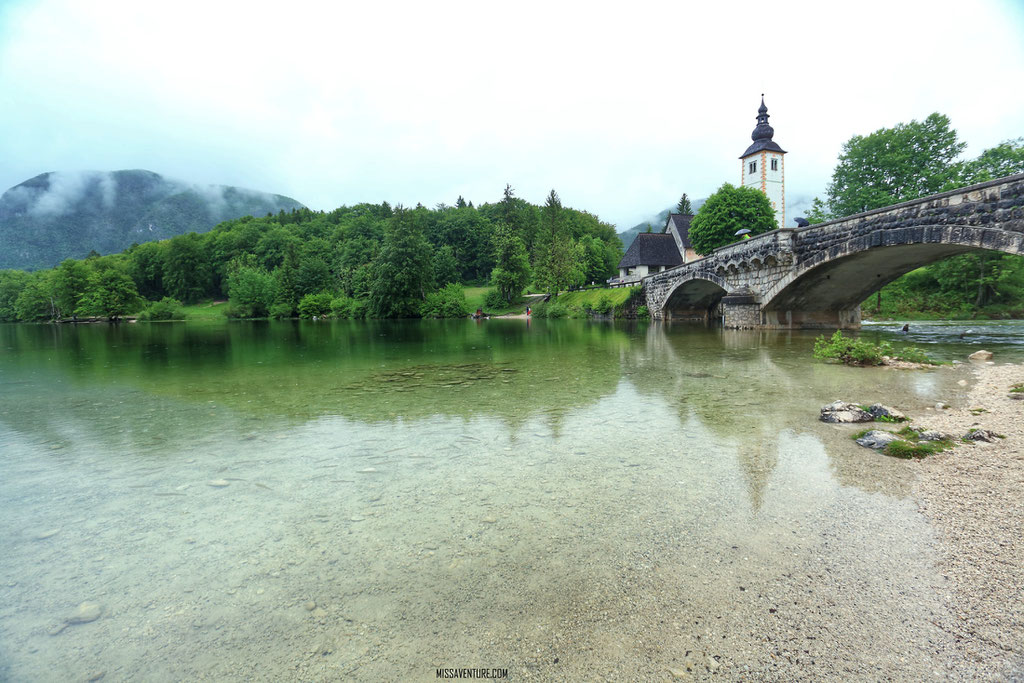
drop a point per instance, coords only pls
(206, 310)
(475, 299)
(581, 301)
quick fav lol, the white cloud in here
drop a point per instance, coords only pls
(619, 108)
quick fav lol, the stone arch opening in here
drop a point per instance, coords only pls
(827, 292)
(695, 299)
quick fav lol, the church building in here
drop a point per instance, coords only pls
(763, 165)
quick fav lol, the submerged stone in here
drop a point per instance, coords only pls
(877, 439)
(842, 412)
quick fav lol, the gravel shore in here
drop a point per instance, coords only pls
(973, 497)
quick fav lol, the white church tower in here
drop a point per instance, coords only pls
(763, 165)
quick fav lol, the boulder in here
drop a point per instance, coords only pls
(981, 435)
(877, 439)
(980, 355)
(877, 410)
(931, 435)
(841, 412)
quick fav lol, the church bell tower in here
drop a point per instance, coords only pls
(763, 165)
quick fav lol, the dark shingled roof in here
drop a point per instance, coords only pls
(682, 223)
(652, 249)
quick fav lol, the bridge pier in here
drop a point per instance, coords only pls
(844, 319)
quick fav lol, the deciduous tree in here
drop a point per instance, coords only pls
(727, 211)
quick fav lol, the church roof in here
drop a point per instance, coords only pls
(681, 222)
(762, 135)
(652, 249)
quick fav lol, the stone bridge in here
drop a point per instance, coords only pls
(816, 277)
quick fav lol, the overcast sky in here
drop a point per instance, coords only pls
(619, 107)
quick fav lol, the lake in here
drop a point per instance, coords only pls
(377, 500)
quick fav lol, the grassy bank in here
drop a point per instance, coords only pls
(585, 303)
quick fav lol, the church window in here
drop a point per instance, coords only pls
(775, 164)
(753, 167)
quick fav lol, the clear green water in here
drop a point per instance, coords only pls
(452, 494)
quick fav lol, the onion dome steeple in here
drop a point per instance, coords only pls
(762, 135)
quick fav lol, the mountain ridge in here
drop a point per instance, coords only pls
(59, 214)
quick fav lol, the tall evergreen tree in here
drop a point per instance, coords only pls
(402, 272)
(554, 265)
(683, 206)
(512, 265)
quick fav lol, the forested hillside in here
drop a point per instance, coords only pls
(364, 260)
(55, 216)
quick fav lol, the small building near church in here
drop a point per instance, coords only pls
(651, 252)
(678, 225)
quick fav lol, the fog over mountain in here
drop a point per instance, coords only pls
(62, 215)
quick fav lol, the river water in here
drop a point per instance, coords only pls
(374, 501)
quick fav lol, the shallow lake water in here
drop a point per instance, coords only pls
(374, 501)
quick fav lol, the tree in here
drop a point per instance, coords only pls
(402, 272)
(683, 206)
(70, 281)
(727, 211)
(512, 265)
(251, 290)
(12, 282)
(446, 268)
(893, 165)
(554, 266)
(36, 301)
(1006, 158)
(187, 275)
(111, 293)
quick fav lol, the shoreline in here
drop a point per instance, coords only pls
(972, 496)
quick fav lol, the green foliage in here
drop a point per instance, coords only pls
(12, 282)
(1017, 388)
(555, 261)
(445, 267)
(852, 351)
(347, 307)
(186, 274)
(35, 301)
(848, 350)
(315, 305)
(684, 206)
(727, 211)
(343, 252)
(895, 165)
(252, 292)
(165, 309)
(449, 302)
(70, 282)
(642, 313)
(916, 450)
(512, 265)
(403, 270)
(1006, 158)
(111, 293)
(495, 300)
(280, 310)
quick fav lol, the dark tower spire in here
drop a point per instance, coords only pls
(762, 135)
(763, 131)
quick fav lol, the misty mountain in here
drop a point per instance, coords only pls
(62, 215)
(656, 222)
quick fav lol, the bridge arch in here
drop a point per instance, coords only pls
(694, 297)
(827, 288)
